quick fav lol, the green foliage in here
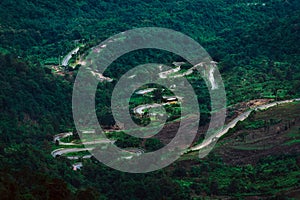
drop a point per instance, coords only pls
(153, 144)
(269, 176)
(256, 45)
(125, 140)
(33, 102)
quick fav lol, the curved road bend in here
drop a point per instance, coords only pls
(61, 151)
(233, 123)
(67, 58)
(139, 110)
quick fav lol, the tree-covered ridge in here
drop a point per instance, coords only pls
(29, 172)
(34, 106)
(255, 42)
(32, 101)
(47, 28)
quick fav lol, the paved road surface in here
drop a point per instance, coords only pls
(61, 151)
(204, 144)
(233, 123)
(67, 58)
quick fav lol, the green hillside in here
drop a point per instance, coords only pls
(256, 45)
(255, 42)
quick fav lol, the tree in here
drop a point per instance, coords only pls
(88, 194)
(214, 187)
(153, 144)
(233, 186)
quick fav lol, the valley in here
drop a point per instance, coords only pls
(253, 43)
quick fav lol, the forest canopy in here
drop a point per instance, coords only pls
(256, 45)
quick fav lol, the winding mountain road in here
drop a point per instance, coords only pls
(67, 58)
(61, 151)
(233, 123)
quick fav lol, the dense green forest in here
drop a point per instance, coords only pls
(256, 44)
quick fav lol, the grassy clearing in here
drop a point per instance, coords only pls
(194, 155)
(54, 147)
(251, 148)
(287, 111)
(79, 154)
